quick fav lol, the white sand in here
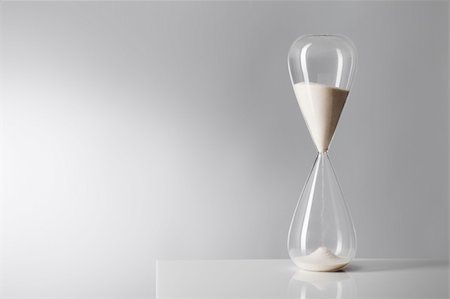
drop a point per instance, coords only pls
(322, 259)
(321, 107)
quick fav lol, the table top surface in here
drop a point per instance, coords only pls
(363, 278)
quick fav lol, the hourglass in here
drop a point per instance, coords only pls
(321, 235)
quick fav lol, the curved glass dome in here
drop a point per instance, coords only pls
(324, 59)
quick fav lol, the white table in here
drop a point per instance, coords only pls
(364, 278)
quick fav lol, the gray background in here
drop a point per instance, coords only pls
(144, 130)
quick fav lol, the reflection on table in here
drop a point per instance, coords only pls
(370, 278)
(309, 285)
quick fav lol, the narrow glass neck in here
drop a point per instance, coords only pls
(322, 154)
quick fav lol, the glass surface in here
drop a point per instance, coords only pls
(322, 236)
(325, 59)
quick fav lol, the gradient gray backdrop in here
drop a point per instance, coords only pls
(144, 130)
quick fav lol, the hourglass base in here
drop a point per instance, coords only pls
(321, 260)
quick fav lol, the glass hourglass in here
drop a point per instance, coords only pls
(321, 235)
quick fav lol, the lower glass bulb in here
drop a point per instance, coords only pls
(322, 236)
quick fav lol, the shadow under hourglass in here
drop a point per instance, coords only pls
(308, 285)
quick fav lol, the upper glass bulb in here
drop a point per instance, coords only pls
(321, 69)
